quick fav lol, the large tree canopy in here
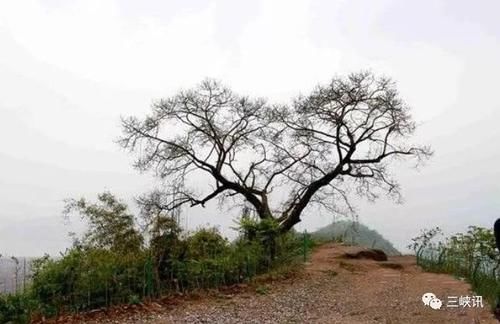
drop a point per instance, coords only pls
(318, 150)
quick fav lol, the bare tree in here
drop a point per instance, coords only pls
(320, 149)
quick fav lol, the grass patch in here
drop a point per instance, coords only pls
(262, 290)
(330, 272)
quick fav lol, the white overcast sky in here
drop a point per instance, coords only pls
(70, 68)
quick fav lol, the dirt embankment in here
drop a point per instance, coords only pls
(332, 288)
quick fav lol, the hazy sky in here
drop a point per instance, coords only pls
(70, 69)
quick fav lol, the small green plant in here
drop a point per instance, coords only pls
(134, 299)
(262, 290)
(331, 273)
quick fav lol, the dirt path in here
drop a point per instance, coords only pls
(336, 290)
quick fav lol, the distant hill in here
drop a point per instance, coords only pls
(356, 234)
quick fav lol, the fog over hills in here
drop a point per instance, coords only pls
(355, 233)
(32, 202)
(66, 83)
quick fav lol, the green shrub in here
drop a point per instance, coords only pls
(85, 279)
(206, 243)
(266, 232)
(16, 308)
(115, 263)
(471, 255)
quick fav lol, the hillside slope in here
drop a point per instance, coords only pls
(356, 234)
